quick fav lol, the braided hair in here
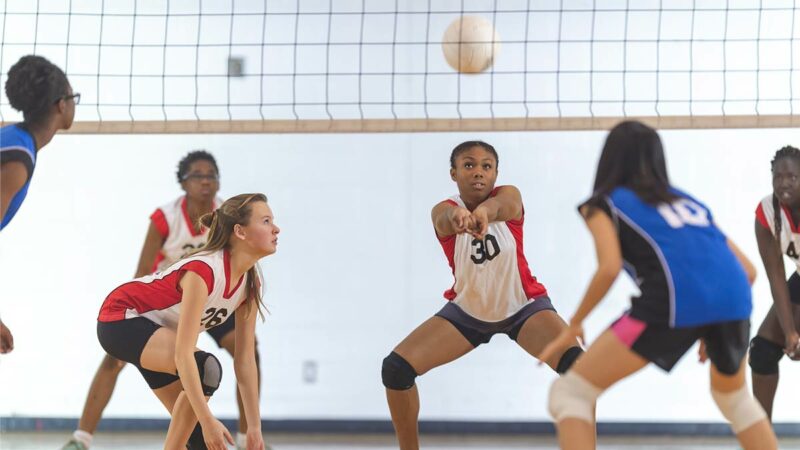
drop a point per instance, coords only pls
(787, 152)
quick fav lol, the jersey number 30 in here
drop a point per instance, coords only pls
(213, 317)
(684, 212)
(485, 250)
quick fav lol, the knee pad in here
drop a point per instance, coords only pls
(739, 407)
(397, 373)
(568, 359)
(764, 356)
(571, 396)
(210, 371)
(196, 440)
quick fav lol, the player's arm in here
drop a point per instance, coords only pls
(194, 297)
(449, 219)
(748, 266)
(153, 243)
(773, 265)
(505, 205)
(244, 363)
(13, 175)
(609, 262)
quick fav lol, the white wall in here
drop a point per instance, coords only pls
(357, 269)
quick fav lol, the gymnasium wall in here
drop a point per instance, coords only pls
(358, 266)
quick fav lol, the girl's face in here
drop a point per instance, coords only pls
(786, 181)
(475, 173)
(260, 234)
(201, 182)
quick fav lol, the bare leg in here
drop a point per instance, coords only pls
(758, 436)
(432, 344)
(607, 361)
(538, 331)
(765, 386)
(105, 379)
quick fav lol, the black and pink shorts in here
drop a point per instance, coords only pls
(726, 342)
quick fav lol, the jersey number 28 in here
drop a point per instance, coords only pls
(683, 212)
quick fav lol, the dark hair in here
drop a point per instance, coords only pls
(220, 223)
(633, 157)
(787, 152)
(34, 84)
(464, 146)
(196, 155)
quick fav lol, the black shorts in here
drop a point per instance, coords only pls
(794, 288)
(222, 330)
(479, 332)
(726, 342)
(126, 339)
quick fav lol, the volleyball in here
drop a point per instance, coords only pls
(470, 44)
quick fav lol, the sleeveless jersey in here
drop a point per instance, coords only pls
(175, 227)
(17, 144)
(158, 296)
(492, 278)
(686, 273)
(790, 234)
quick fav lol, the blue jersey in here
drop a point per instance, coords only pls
(17, 144)
(687, 274)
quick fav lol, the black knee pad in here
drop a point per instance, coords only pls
(764, 356)
(568, 359)
(397, 373)
(196, 440)
(210, 371)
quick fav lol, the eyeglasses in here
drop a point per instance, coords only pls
(200, 177)
(76, 97)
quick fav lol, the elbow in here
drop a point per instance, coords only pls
(751, 273)
(608, 271)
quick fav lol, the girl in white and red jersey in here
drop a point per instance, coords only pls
(494, 292)
(173, 233)
(777, 216)
(153, 322)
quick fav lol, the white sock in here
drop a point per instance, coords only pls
(83, 437)
(241, 440)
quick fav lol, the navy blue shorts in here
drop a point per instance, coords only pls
(478, 332)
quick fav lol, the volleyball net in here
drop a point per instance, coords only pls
(371, 66)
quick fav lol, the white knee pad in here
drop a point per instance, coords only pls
(573, 396)
(739, 407)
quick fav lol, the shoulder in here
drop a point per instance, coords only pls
(17, 144)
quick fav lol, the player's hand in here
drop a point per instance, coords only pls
(255, 440)
(564, 340)
(480, 223)
(6, 339)
(792, 348)
(215, 434)
(460, 219)
(702, 355)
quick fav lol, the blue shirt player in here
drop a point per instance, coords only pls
(694, 285)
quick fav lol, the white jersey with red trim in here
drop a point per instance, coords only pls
(790, 234)
(158, 296)
(179, 234)
(492, 278)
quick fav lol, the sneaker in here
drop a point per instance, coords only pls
(74, 445)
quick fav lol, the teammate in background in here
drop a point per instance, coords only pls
(40, 90)
(153, 322)
(694, 283)
(174, 232)
(777, 234)
(480, 231)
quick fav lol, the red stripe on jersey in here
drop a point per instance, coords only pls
(160, 222)
(156, 294)
(226, 258)
(762, 219)
(195, 232)
(159, 258)
(789, 217)
(530, 285)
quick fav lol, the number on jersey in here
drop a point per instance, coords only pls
(684, 212)
(484, 250)
(213, 317)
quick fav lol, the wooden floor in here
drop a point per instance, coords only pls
(142, 441)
